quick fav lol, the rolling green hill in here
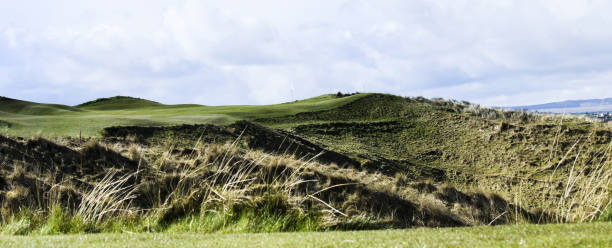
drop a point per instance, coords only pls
(14, 106)
(445, 141)
(88, 119)
(378, 160)
(117, 103)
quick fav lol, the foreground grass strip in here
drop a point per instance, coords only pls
(564, 235)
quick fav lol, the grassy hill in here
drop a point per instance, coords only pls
(511, 152)
(14, 106)
(88, 119)
(118, 102)
(326, 163)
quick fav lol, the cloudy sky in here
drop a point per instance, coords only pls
(269, 51)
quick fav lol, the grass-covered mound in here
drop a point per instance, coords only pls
(330, 162)
(118, 102)
(14, 106)
(536, 160)
(88, 119)
(124, 186)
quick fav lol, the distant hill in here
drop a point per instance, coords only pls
(14, 106)
(118, 102)
(571, 106)
(88, 119)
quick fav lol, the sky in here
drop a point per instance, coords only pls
(496, 53)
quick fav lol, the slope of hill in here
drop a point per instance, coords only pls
(14, 106)
(90, 118)
(572, 106)
(117, 103)
(270, 180)
(367, 160)
(450, 142)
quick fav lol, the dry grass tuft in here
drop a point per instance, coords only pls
(110, 196)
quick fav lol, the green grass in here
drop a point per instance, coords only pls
(49, 120)
(517, 159)
(118, 102)
(265, 217)
(564, 235)
(440, 141)
(14, 106)
(428, 139)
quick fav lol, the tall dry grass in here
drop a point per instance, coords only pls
(578, 188)
(587, 193)
(110, 196)
(226, 181)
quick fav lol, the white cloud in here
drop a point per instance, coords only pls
(11, 37)
(241, 52)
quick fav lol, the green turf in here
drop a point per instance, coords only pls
(21, 118)
(562, 235)
(118, 102)
(13, 106)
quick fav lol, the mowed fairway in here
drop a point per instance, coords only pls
(49, 120)
(562, 235)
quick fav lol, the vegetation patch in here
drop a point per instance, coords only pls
(118, 102)
(560, 235)
(221, 188)
(5, 124)
(359, 161)
(14, 106)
